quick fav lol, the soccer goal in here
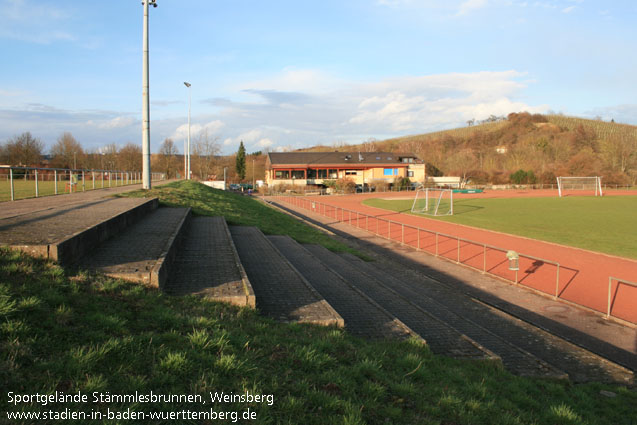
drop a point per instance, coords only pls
(590, 184)
(433, 201)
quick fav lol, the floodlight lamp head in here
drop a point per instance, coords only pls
(187, 84)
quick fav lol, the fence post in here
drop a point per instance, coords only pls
(402, 242)
(12, 189)
(418, 230)
(557, 282)
(458, 251)
(484, 259)
(37, 189)
(436, 244)
(610, 280)
(83, 181)
(55, 176)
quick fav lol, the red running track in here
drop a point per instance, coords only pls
(582, 278)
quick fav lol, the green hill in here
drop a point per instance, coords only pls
(544, 146)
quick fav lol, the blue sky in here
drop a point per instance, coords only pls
(289, 74)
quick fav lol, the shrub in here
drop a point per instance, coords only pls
(402, 183)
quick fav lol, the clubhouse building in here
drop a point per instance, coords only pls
(312, 168)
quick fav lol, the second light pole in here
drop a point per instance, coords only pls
(188, 148)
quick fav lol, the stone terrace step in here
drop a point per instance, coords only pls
(522, 346)
(440, 337)
(207, 264)
(281, 292)
(362, 315)
(143, 253)
(65, 233)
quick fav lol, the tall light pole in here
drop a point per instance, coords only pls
(146, 104)
(188, 160)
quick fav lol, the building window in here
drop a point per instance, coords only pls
(322, 174)
(390, 171)
(298, 174)
(408, 160)
(311, 173)
(333, 174)
(410, 173)
(282, 174)
(351, 172)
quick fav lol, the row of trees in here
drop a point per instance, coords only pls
(67, 152)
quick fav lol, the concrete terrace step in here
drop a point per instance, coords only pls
(281, 292)
(440, 337)
(523, 347)
(143, 253)
(207, 264)
(362, 315)
(65, 233)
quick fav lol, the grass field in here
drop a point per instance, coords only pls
(70, 331)
(607, 224)
(26, 188)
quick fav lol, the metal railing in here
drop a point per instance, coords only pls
(612, 279)
(476, 255)
(36, 181)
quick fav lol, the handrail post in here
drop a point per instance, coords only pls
(83, 181)
(37, 188)
(484, 259)
(402, 242)
(436, 244)
(12, 189)
(458, 251)
(55, 176)
(610, 280)
(557, 282)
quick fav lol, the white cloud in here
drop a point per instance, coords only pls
(568, 9)
(213, 128)
(471, 5)
(265, 143)
(117, 122)
(35, 22)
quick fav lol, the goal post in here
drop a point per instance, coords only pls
(590, 184)
(433, 201)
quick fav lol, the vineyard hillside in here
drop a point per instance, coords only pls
(523, 148)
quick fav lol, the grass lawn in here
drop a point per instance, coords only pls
(606, 224)
(70, 331)
(26, 188)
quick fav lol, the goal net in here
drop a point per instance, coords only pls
(433, 201)
(589, 184)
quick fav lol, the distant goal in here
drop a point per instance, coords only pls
(433, 201)
(584, 185)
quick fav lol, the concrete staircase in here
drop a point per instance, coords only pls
(169, 249)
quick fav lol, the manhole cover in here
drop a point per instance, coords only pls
(556, 308)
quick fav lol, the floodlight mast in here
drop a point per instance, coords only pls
(146, 180)
(188, 149)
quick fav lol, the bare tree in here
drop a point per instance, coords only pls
(129, 158)
(167, 158)
(23, 150)
(205, 149)
(67, 152)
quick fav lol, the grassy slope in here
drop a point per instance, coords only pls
(238, 210)
(607, 224)
(74, 332)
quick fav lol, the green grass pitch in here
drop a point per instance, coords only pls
(607, 224)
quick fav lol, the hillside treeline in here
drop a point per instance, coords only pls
(543, 147)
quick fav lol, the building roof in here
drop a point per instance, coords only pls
(338, 158)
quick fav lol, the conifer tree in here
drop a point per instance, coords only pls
(241, 162)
